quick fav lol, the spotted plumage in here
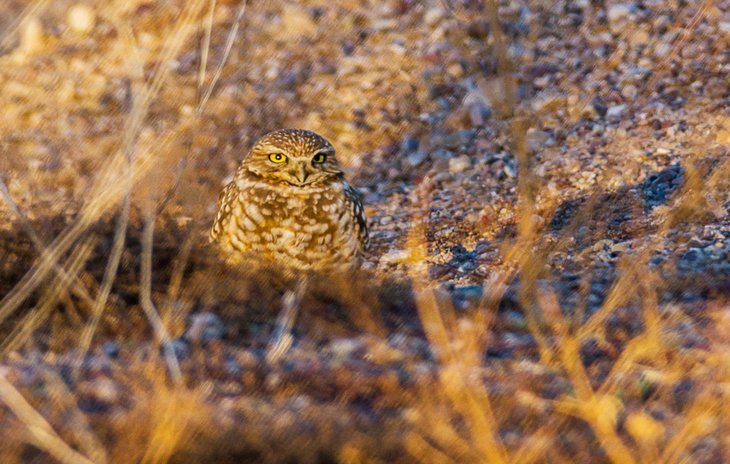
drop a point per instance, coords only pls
(289, 203)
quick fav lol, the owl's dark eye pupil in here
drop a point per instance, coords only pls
(319, 158)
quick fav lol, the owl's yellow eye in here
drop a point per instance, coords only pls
(277, 158)
(319, 158)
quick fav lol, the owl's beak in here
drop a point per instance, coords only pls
(301, 173)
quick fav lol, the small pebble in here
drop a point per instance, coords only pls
(296, 22)
(478, 29)
(395, 257)
(615, 112)
(536, 139)
(416, 158)
(459, 164)
(81, 18)
(205, 327)
(345, 347)
(617, 16)
(629, 91)
(432, 16)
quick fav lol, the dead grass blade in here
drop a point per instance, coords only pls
(467, 395)
(75, 421)
(281, 338)
(39, 430)
(229, 45)
(600, 412)
(110, 272)
(23, 330)
(174, 414)
(148, 306)
(700, 420)
(31, 10)
(205, 47)
(176, 276)
(75, 284)
(423, 451)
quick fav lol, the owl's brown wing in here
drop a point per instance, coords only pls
(359, 213)
(225, 202)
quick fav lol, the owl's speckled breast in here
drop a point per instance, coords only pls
(310, 228)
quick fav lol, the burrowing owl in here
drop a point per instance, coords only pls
(290, 203)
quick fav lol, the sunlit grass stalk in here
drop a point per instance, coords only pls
(598, 411)
(468, 397)
(40, 432)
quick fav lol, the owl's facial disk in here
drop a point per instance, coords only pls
(297, 162)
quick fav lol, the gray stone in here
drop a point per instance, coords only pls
(416, 158)
(616, 111)
(459, 164)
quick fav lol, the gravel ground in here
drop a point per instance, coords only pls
(605, 158)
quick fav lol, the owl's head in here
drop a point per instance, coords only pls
(296, 156)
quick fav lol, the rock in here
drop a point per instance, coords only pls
(536, 139)
(345, 347)
(300, 402)
(467, 297)
(476, 104)
(432, 16)
(455, 70)
(690, 260)
(395, 257)
(456, 139)
(479, 112)
(629, 91)
(179, 348)
(658, 186)
(105, 389)
(509, 169)
(615, 112)
(111, 349)
(409, 144)
(81, 18)
(385, 24)
(662, 49)
(296, 22)
(416, 158)
(205, 327)
(463, 259)
(478, 29)
(662, 23)
(618, 16)
(640, 37)
(459, 164)
(549, 101)
(599, 106)
(724, 26)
